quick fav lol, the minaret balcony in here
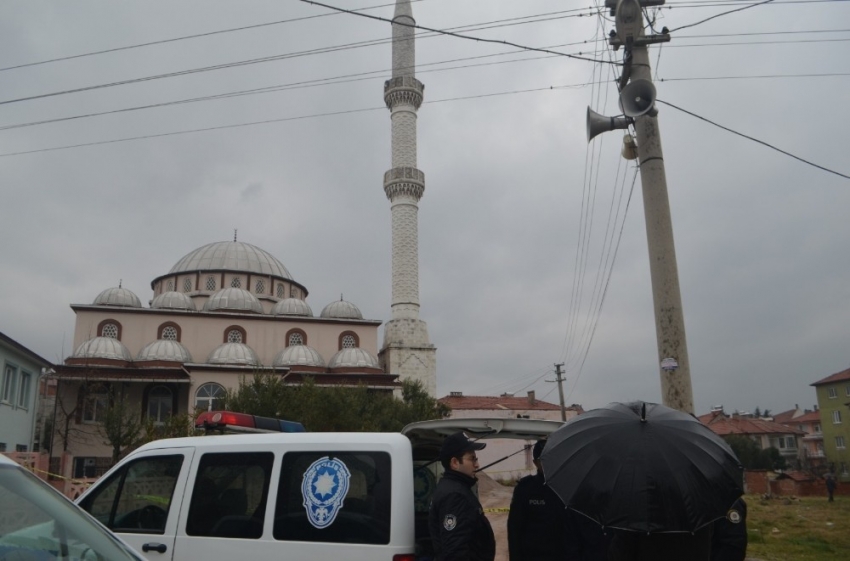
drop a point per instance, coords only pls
(404, 181)
(403, 90)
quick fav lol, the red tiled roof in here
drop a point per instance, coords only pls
(837, 377)
(723, 425)
(505, 403)
(785, 416)
(810, 417)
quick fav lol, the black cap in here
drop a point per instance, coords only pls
(457, 445)
(538, 449)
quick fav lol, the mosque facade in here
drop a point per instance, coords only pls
(224, 311)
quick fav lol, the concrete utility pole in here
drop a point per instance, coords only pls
(674, 367)
(560, 379)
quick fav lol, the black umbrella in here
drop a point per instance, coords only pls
(643, 467)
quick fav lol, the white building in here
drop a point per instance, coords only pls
(22, 369)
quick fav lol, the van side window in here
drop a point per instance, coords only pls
(230, 495)
(136, 499)
(335, 497)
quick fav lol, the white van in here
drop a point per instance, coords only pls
(353, 496)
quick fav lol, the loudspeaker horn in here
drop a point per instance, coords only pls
(597, 124)
(638, 98)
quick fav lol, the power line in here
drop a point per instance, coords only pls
(721, 14)
(286, 56)
(187, 37)
(763, 143)
(334, 80)
(754, 77)
(267, 121)
(458, 35)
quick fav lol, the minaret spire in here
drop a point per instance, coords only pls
(405, 335)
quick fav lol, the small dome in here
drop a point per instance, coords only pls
(341, 309)
(292, 307)
(103, 347)
(354, 358)
(234, 353)
(299, 355)
(231, 256)
(233, 300)
(118, 296)
(165, 350)
(173, 301)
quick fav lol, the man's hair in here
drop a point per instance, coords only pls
(447, 463)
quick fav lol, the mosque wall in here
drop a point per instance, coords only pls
(203, 333)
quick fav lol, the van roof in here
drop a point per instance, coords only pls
(253, 439)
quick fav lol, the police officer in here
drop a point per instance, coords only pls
(729, 541)
(537, 521)
(459, 530)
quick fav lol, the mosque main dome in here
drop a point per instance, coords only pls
(231, 256)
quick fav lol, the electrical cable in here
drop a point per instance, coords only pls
(286, 56)
(268, 121)
(763, 143)
(187, 37)
(453, 34)
(721, 14)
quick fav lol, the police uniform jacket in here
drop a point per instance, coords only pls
(459, 529)
(729, 542)
(537, 526)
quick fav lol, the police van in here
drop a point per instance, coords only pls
(275, 491)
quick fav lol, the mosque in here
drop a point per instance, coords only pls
(229, 310)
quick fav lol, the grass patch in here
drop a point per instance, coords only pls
(804, 529)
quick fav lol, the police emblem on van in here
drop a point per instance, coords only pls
(324, 487)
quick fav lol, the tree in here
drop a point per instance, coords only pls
(752, 456)
(122, 426)
(326, 409)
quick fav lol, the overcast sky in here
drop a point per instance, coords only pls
(511, 184)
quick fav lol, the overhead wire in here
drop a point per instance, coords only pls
(280, 120)
(188, 37)
(721, 14)
(298, 54)
(763, 143)
(451, 33)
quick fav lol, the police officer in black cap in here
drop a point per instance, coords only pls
(537, 521)
(459, 529)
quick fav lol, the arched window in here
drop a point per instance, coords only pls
(209, 397)
(169, 331)
(295, 337)
(169, 286)
(187, 285)
(109, 328)
(294, 292)
(235, 334)
(260, 287)
(348, 340)
(210, 283)
(281, 291)
(159, 404)
(236, 282)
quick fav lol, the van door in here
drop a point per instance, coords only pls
(140, 500)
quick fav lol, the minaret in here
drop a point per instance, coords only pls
(407, 350)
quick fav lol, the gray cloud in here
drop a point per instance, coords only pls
(760, 238)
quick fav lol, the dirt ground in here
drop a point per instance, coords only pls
(494, 495)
